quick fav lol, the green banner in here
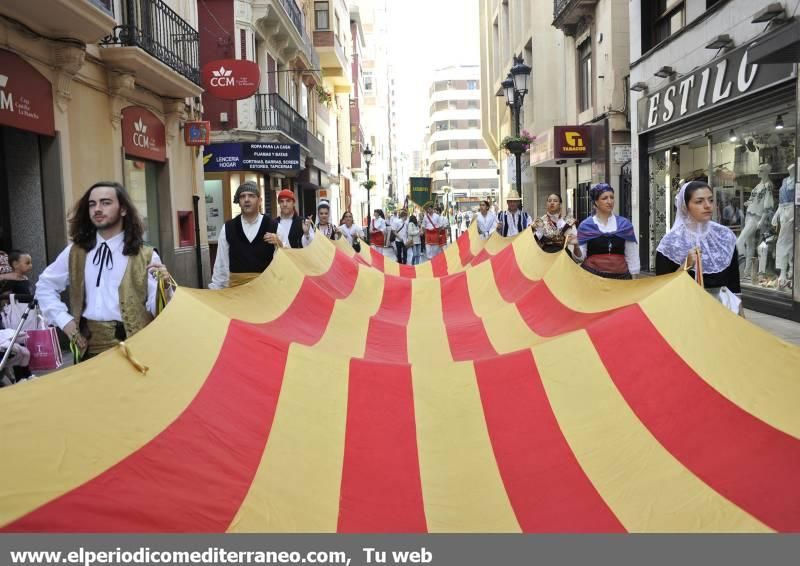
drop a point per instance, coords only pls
(421, 191)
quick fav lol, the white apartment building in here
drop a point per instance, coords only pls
(455, 138)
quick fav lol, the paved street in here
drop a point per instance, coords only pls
(784, 329)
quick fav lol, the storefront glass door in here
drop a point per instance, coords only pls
(142, 185)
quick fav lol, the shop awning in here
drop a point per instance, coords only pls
(781, 46)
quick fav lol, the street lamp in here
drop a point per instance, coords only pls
(367, 159)
(446, 170)
(514, 88)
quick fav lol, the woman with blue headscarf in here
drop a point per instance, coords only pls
(608, 241)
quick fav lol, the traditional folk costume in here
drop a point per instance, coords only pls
(718, 254)
(242, 253)
(486, 224)
(552, 231)
(352, 233)
(610, 250)
(377, 235)
(513, 223)
(435, 237)
(112, 295)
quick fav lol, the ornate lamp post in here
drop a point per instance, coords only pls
(368, 159)
(515, 87)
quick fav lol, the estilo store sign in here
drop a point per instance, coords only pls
(723, 80)
(143, 134)
(26, 96)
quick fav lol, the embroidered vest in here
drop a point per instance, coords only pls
(132, 289)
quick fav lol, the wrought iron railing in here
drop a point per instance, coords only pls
(294, 14)
(274, 113)
(156, 28)
(559, 6)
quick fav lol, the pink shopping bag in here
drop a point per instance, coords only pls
(44, 348)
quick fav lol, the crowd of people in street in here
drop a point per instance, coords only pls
(113, 278)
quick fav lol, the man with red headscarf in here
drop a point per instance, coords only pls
(291, 231)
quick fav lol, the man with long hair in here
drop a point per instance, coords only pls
(110, 272)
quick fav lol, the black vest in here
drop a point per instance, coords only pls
(605, 245)
(246, 256)
(295, 232)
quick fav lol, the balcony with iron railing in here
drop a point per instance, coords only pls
(567, 14)
(283, 21)
(273, 113)
(170, 45)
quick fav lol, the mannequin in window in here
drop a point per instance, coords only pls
(759, 208)
(784, 256)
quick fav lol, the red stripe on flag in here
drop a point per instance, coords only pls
(741, 457)
(194, 475)
(378, 260)
(465, 330)
(306, 319)
(381, 486)
(439, 264)
(482, 256)
(539, 308)
(408, 271)
(387, 338)
(182, 480)
(464, 251)
(546, 485)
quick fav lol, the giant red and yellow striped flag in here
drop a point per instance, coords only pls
(494, 389)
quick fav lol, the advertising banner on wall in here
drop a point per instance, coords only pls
(231, 79)
(251, 157)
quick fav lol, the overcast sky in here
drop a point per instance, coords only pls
(426, 35)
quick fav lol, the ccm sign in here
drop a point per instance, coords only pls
(231, 79)
(143, 134)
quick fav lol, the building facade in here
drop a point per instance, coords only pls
(455, 140)
(84, 98)
(714, 99)
(508, 29)
(270, 137)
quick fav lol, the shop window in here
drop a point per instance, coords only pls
(754, 175)
(215, 208)
(322, 20)
(141, 183)
(585, 74)
(660, 20)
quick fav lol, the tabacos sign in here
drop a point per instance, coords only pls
(143, 134)
(721, 81)
(572, 142)
(231, 79)
(26, 96)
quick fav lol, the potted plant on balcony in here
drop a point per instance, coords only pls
(325, 96)
(518, 144)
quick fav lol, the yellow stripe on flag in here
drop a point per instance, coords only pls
(87, 418)
(461, 484)
(296, 487)
(726, 351)
(643, 484)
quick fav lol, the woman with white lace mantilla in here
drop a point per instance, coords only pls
(693, 229)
